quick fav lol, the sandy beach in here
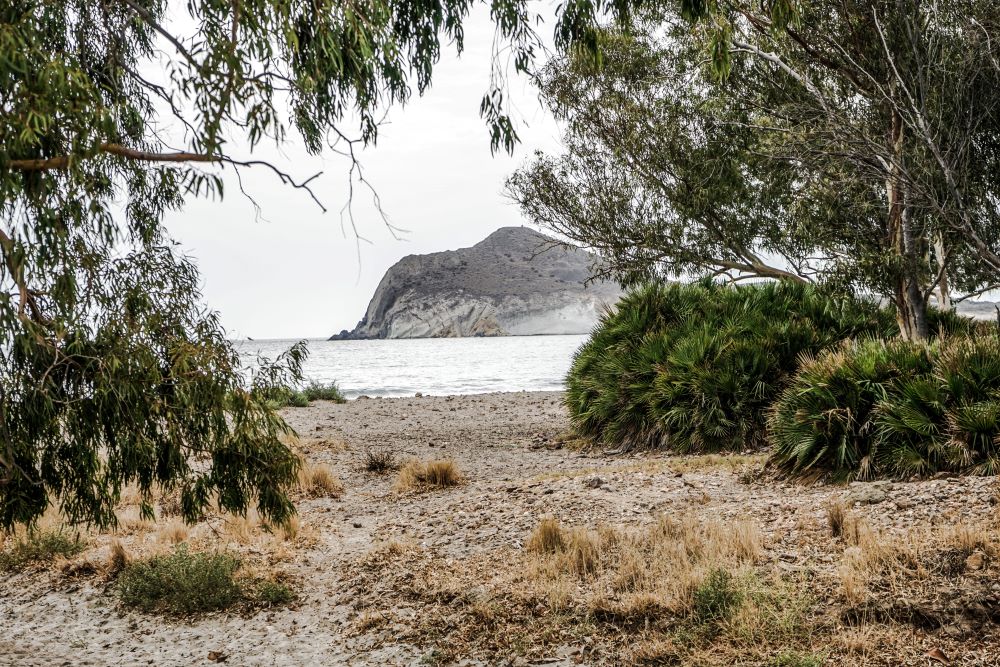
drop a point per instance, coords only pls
(389, 577)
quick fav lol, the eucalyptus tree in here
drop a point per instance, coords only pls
(848, 142)
(111, 370)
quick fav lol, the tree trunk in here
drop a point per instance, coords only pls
(911, 310)
(944, 289)
(908, 297)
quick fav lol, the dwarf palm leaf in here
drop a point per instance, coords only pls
(910, 425)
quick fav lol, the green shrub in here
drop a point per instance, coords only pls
(716, 598)
(317, 391)
(185, 583)
(181, 583)
(273, 593)
(693, 367)
(285, 397)
(824, 422)
(40, 547)
(875, 409)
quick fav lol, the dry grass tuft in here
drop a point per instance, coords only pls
(318, 481)
(640, 573)
(119, 558)
(546, 538)
(656, 651)
(290, 529)
(583, 551)
(859, 641)
(131, 522)
(735, 463)
(422, 476)
(966, 539)
(836, 515)
(174, 532)
(910, 564)
(242, 529)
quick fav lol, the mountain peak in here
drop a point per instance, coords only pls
(515, 281)
(515, 236)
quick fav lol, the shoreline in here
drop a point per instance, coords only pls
(420, 394)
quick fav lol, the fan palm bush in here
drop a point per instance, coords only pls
(892, 409)
(968, 372)
(824, 422)
(693, 367)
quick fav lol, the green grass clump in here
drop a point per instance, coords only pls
(185, 583)
(892, 409)
(40, 547)
(716, 598)
(693, 367)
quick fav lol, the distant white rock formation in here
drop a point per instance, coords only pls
(516, 282)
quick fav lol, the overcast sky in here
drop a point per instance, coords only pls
(295, 274)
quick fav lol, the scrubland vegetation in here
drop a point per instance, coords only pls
(706, 367)
(873, 408)
(693, 367)
(39, 547)
(689, 590)
(540, 553)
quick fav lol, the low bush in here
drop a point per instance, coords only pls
(892, 409)
(184, 583)
(317, 391)
(272, 593)
(693, 367)
(180, 583)
(40, 546)
(379, 460)
(285, 397)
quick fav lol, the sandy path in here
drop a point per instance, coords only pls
(503, 445)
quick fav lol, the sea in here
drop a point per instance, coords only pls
(431, 366)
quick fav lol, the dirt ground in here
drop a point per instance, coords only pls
(446, 576)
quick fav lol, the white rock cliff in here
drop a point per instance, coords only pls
(514, 282)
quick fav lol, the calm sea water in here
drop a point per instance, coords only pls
(436, 366)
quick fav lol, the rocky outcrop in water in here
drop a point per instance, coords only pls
(514, 282)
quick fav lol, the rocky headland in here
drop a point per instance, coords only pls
(514, 282)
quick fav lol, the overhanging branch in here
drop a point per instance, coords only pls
(62, 162)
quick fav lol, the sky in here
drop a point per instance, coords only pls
(296, 273)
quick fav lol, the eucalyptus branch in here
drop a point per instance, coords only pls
(151, 21)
